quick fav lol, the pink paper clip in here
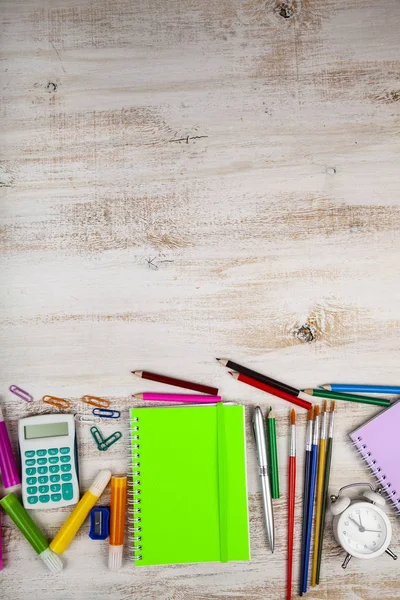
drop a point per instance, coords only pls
(20, 393)
(96, 402)
(57, 402)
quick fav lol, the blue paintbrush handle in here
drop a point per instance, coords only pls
(311, 496)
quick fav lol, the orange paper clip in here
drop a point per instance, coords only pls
(97, 402)
(57, 402)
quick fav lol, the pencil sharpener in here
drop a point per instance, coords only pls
(99, 523)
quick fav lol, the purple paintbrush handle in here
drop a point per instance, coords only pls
(8, 467)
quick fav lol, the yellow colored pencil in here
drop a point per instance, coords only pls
(319, 497)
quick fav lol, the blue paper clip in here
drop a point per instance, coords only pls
(99, 523)
(106, 413)
(105, 444)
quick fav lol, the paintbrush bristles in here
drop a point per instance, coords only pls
(333, 405)
(293, 417)
(311, 413)
(317, 410)
(325, 405)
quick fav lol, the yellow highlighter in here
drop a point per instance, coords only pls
(71, 526)
(319, 498)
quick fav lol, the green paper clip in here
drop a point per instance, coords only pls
(104, 446)
(98, 438)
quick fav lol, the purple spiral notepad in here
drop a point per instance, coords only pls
(377, 443)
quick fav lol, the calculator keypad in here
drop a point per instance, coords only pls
(47, 461)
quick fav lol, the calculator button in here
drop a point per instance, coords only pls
(41, 452)
(55, 488)
(54, 478)
(66, 477)
(65, 459)
(65, 468)
(56, 497)
(54, 468)
(32, 490)
(42, 470)
(43, 479)
(31, 480)
(31, 471)
(67, 491)
(44, 498)
(29, 453)
(53, 451)
(42, 461)
(32, 499)
(43, 489)
(64, 450)
(53, 460)
(30, 462)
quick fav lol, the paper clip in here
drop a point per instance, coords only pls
(57, 402)
(86, 420)
(105, 444)
(105, 413)
(20, 393)
(98, 438)
(97, 402)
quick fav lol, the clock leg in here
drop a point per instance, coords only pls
(392, 554)
(346, 561)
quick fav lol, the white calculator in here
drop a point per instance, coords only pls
(49, 461)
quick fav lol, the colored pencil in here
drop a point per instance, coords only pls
(319, 496)
(271, 390)
(273, 454)
(311, 496)
(325, 494)
(258, 376)
(196, 387)
(353, 388)
(306, 488)
(291, 500)
(191, 398)
(349, 397)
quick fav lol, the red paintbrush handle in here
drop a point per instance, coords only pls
(291, 500)
(274, 391)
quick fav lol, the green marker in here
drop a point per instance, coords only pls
(273, 455)
(31, 532)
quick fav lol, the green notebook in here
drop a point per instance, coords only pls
(189, 484)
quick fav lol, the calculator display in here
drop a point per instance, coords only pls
(45, 430)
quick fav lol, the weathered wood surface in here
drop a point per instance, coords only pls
(182, 180)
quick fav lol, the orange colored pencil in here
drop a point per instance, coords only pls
(291, 500)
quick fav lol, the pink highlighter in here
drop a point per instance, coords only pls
(8, 467)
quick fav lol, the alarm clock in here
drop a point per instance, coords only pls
(360, 525)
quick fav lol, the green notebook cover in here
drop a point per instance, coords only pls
(189, 484)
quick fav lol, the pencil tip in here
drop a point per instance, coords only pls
(308, 391)
(293, 417)
(235, 375)
(218, 359)
(326, 386)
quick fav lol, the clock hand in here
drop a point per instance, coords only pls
(359, 517)
(355, 522)
(373, 530)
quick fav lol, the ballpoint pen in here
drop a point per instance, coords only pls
(261, 448)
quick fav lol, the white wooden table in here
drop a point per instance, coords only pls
(185, 180)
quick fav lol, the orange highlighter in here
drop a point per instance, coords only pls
(117, 522)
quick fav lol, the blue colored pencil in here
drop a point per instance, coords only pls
(311, 496)
(306, 489)
(361, 389)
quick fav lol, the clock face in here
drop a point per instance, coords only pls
(364, 530)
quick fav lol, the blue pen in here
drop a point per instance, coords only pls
(311, 496)
(361, 389)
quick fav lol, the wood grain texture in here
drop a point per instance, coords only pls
(181, 181)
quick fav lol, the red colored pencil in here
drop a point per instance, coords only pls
(271, 390)
(197, 387)
(291, 500)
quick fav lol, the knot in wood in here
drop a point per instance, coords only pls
(304, 334)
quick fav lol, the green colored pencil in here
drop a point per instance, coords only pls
(348, 397)
(273, 454)
(325, 495)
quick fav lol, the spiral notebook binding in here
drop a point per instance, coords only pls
(134, 501)
(376, 470)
